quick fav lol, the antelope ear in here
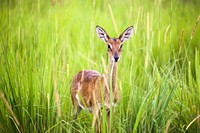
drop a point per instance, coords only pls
(102, 34)
(126, 34)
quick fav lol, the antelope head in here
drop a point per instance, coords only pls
(114, 44)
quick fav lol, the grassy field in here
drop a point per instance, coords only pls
(42, 46)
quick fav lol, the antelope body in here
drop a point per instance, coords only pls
(89, 87)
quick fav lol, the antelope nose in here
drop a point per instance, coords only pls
(116, 58)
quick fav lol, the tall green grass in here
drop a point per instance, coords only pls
(43, 46)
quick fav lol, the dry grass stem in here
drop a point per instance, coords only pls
(52, 2)
(181, 42)
(192, 122)
(106, 83)
(167, 126)
(148, 25)
(113, 19)
(146, 58)
(166, 31)
(11, 111)
(195, 27)
(104, 65)
(56, 92)
(199, 118)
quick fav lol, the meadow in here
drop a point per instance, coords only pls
(43, 44)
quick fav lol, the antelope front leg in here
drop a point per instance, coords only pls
(108, 120)
(77, 110)
(96, 123)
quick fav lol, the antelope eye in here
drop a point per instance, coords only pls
(121, 46)
(109, 46)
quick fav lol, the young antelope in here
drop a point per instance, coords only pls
(89, 86)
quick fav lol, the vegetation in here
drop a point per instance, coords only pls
(42, 46)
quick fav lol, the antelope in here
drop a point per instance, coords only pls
(88, 85)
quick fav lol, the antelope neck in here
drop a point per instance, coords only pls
(112, 75)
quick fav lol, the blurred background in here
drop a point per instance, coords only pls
(43, 44)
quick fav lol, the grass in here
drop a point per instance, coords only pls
(42, 46)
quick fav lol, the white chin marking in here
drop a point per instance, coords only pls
(113, 59)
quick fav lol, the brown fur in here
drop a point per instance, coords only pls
(90, 81)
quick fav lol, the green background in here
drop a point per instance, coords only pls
(42, 46)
